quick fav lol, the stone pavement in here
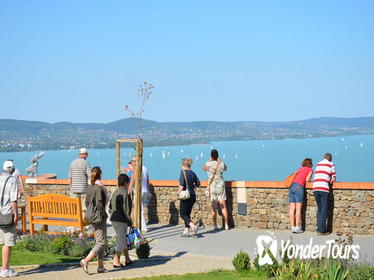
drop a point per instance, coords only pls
(172, 254)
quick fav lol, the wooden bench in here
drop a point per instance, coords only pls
(54, 209)
(22, 218)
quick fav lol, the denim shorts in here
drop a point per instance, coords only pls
(296, 193)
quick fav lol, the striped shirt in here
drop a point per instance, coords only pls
(79, 174)
(325, 171)
(10, 193)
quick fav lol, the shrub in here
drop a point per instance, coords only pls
(241, 261)
(60, 245)
(110, 248)
(144, 250)
(35, 243)
(361, 272)
(80, 247)
(269, 270)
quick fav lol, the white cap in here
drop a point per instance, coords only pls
(8, 166)
(83, 151)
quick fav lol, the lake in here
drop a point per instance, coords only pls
(246, 160)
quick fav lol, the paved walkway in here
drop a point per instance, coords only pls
(172, 254)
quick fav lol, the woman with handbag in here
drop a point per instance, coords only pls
(188, 181)
(216, 187)
(97, 216)
(296, 193)
(119, 207)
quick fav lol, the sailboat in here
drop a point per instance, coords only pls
(163, 155)
(361, 144)
(236, 156)
(201, 155)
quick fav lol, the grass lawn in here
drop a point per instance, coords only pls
(21, 257)
(219, 274)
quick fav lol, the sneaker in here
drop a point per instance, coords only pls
(226, 227)
(215, 227)
(298, 230)
(293, 229)
(8, 273)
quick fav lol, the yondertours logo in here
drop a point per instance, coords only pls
(267, 249)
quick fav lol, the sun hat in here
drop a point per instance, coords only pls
(83, 151)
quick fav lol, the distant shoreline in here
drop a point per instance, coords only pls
(188, 143)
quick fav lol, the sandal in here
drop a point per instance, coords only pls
(102, 270)
(118, 266)
(130, 262)
(84, 266)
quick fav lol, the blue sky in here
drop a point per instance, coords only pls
(82, 61)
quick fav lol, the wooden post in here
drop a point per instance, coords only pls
(118, 158)
(138, 183)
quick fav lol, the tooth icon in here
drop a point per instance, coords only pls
(266, 243)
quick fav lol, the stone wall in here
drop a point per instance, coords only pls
(352, 207)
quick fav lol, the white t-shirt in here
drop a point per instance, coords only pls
(145, 179)
(212, 166)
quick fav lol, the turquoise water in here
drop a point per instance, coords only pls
(246, 160)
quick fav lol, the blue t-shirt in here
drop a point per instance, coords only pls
(193, 181)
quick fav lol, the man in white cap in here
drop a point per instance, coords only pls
(79, 175)
(8, 206)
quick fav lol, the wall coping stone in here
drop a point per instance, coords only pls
(232, 184)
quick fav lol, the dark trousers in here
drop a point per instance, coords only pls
(186, 208)
(322, 199)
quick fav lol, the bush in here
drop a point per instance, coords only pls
(110, 248)
(361, 272)
(35, 243)
(269, 270)
(60, 245)
(80, 247)
(144, 250)
(242, 261)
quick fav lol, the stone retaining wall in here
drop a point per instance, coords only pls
(352, 209)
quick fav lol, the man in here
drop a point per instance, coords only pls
(324, 177)
(17, 175)
(145, 190)
(8, 205)
(79, 175)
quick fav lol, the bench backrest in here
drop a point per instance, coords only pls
(55, 206)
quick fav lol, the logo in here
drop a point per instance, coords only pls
(267, 247)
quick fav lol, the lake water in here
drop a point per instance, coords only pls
(246, 160)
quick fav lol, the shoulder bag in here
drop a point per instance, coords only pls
(185, 194)
(6, 220)
(93, 214)
(214, 174)
(289, 180)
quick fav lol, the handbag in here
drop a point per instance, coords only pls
(184, 194)
(6, 220)
(289, 180)
(134, 238)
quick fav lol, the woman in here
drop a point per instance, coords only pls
(296, 194)
(120, 218)
(97, 194)
(188, 179)
(216, 187)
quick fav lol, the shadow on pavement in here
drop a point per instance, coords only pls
(152, 261)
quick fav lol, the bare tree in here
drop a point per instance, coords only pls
(144, 93)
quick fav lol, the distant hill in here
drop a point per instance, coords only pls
(20, 135)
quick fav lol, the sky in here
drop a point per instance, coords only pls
(82, 61)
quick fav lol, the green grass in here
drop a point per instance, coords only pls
(219, 274)
(22, 257)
